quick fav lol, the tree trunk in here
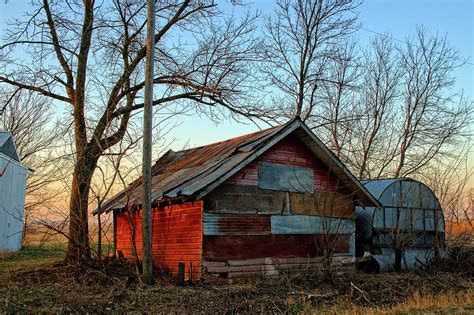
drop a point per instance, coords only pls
(78, 246)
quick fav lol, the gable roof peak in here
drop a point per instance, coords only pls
(197, 171)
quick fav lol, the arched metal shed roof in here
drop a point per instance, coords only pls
(405, 192)
(376, 187)
(398, 193)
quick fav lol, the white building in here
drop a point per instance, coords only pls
(12, 194)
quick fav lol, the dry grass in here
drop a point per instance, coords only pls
(112, 286)
(38, 234)
(32, 256)
(447, 302)
(452, 301)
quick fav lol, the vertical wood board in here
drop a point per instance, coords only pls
(12, 203)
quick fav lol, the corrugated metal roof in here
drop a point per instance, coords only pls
(197, 171)
(377, 186)
(7, 146)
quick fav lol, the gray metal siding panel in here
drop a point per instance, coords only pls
(285, 177)
(304, 224)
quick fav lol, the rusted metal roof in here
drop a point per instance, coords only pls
(195, 172)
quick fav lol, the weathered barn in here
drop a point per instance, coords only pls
(409, 226)
(12, 194)
(254, 205)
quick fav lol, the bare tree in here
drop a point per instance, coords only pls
(449, 178)
(120, 166)
(303, 36)
(336, 211)
(404, 113)
(370, 144)
(386, 111)
(28, 117)
(90, 56)
(337, 108)
(435, 119)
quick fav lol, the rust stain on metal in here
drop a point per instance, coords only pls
(257, 246)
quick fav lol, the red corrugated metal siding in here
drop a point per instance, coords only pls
(238, 224)
(290, 151)
(177, 237)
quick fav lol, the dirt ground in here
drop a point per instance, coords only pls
(53, 287)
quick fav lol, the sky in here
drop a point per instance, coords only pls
(454, 18)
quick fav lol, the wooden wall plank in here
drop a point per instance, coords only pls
(241, 193)
(331, 204)
(271, 267)
(245, 199)
(290, 151)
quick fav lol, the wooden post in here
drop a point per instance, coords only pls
(147, 143)
(114, 218)
(181, 274)
(99, 233)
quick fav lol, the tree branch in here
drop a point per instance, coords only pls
(36, 89)
(57, 49)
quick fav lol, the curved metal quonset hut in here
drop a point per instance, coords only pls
(406, 231)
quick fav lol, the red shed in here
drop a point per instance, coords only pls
(255, 205)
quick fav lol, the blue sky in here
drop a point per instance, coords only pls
(399, 17)
(455, 18)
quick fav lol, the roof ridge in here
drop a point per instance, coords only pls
(248, 135)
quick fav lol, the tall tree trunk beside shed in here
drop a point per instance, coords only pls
(59, 42)
(78, 246)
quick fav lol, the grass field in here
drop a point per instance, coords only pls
(35, 281)
(32, 256)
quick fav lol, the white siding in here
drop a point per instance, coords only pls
(12, 203)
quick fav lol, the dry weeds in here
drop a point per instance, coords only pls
(112, 286)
